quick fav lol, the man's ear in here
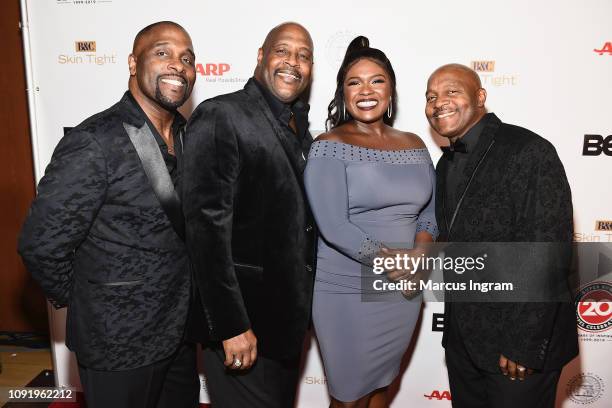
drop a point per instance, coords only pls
(260, 55)
(481, 97)
(132, 64)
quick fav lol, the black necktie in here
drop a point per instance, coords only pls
(458, 146)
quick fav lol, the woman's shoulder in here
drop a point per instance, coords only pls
(409, 140)
(334, 135)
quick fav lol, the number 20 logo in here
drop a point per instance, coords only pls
(594, 307)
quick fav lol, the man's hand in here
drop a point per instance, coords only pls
(514, 369)
(240, 351)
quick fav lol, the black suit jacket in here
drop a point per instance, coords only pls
(518, 193)
(250, 233)
(98, 241)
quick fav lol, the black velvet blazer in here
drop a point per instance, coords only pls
(98, 241)
(519, 193)
(250, 233)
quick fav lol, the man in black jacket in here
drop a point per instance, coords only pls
(249, 229)
(103, 235)
(499, 183)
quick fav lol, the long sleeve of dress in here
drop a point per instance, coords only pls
(427, 217)
(326, 187)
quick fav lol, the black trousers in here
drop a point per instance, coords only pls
(268, 384)
(472, 387)
(169, 383)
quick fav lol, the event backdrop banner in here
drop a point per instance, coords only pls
(546, 66)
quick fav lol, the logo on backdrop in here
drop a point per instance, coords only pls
(488, 76)
(585, 388)
(603, 225)
(601, 233)
(83, 2)
(437, 322)
(438, 395)
(335, 48)
(210, 69)
(606, 49)
(314, 380)
(483, 66)
(217, 72)
(86, 53)
(595, 145)
(594, 307)
(85, 46)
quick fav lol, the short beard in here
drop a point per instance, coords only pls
(166, 102)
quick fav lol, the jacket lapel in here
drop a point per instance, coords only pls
(485, 142)
(259, 101)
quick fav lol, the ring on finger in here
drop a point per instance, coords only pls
(237, 363)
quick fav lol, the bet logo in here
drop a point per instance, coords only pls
(595, 145)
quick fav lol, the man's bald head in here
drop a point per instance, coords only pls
(280, 29)
(468, 74)
(455, 100)
(145, 35)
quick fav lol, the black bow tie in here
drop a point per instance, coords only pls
(458, 146)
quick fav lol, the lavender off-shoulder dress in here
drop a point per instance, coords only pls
(363, 198)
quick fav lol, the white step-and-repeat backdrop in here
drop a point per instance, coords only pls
(547, 66)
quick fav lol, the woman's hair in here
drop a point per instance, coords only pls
(357, 50)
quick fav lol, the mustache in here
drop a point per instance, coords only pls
(288, 71)
(180, 77)
(438, 112)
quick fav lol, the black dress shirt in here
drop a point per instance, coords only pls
(456, 166)
(283, 112)
(177, 125)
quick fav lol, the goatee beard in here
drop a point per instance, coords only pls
(166, 102)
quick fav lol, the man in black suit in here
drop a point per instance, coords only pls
(103, 236)
(499, 183)
(249, 229)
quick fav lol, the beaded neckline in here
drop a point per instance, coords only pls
(349, 152)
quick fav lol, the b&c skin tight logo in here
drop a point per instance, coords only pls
(86, 53)
(483, 66)
(606, 49)
(438, 395)
(585, 388)
(605, 225)
(85, 46)
(486, 71)
(595, 145)
(594, 307)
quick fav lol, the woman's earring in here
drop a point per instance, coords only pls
(343, 111)
(390, 108)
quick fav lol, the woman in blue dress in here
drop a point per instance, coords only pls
(371, 189)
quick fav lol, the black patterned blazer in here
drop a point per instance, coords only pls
(97, 240)
(250, 233)
(518, 193)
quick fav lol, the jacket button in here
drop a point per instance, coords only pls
(309, 268)
(308, 228)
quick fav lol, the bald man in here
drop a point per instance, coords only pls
(249, 229)
(105, 235)
(499, 183)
